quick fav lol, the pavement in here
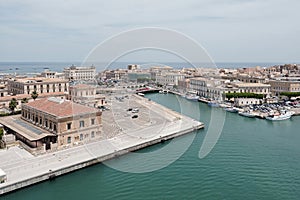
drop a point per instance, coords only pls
(120, 131)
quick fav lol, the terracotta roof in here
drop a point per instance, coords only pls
(60, 108)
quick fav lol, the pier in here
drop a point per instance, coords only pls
(23, 169)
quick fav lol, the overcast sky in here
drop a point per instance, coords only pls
(231, 31)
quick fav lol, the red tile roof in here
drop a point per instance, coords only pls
(60, 107)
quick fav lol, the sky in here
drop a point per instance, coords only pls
(229, 30)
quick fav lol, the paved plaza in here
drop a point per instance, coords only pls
(120, 131)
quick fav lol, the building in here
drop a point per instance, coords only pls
(39, 84)
(69, 122)
(133, 67)
(257, 88)
(52, 74)
(22, 98)
(169, 79)
(74, 73)
(211, 88)
(247, 101)
(86, 95)
(284, 85)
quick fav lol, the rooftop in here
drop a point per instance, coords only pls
(242, 84)
(60, 108)
(82, 86)
(40, 80)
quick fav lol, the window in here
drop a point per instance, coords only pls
(54, 127)
(69, 125)
(81, 124)
(93, 134)
(93, 121)
(81, 137)
(69, 140)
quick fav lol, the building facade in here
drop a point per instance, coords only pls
(284, 85)
(86, 95)
(70, 122)
(169, 78)
(39, 84)
(74, 73)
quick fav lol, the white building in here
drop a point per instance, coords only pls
(214, 89)
(74, 73)
(39, 84)
(169, 78)
(247, 101)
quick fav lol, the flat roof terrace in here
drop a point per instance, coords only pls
(30, 132)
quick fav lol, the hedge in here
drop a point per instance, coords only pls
(244, 95)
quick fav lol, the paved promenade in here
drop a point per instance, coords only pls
(160, 123)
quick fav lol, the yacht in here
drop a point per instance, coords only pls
(192, 97)
(231, 109)
(280, 116)
(213, 104)
(247, 113)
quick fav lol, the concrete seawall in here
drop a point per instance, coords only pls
(47, 172)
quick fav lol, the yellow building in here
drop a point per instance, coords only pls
(70, 122)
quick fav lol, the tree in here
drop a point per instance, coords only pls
(13, 104)
(24, 100)
(34, 95)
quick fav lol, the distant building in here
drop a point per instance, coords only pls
(133, 67)
(4, 101)
(39, 84)
(257, 88)
(117, 74)
(86, 95)
(52, 74)
(74, 73)
(284, 85)
(247, 101)
(69, 122)
(211, 88)
(169, 78)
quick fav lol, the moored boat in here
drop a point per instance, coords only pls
(231, 109)
(282, 116)
(247, 113)
(213, 104)
(192, 97)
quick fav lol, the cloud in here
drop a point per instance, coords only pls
(222, 26)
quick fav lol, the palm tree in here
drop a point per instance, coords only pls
(34, 95)
(13, 104)
(24, 100)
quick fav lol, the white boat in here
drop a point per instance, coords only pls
(163, 91)
(213, 104)
(231, 109)
(247, 114)
(282, 116)
(192, 97)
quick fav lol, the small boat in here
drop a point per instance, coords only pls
(213, 104)
(163, 91)
(247, 113)
(282, 116)
(231, 109)
(192, 97)
(140, 94)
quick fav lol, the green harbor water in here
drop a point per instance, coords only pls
(253, 159)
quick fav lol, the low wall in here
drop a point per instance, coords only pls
(53, 174)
